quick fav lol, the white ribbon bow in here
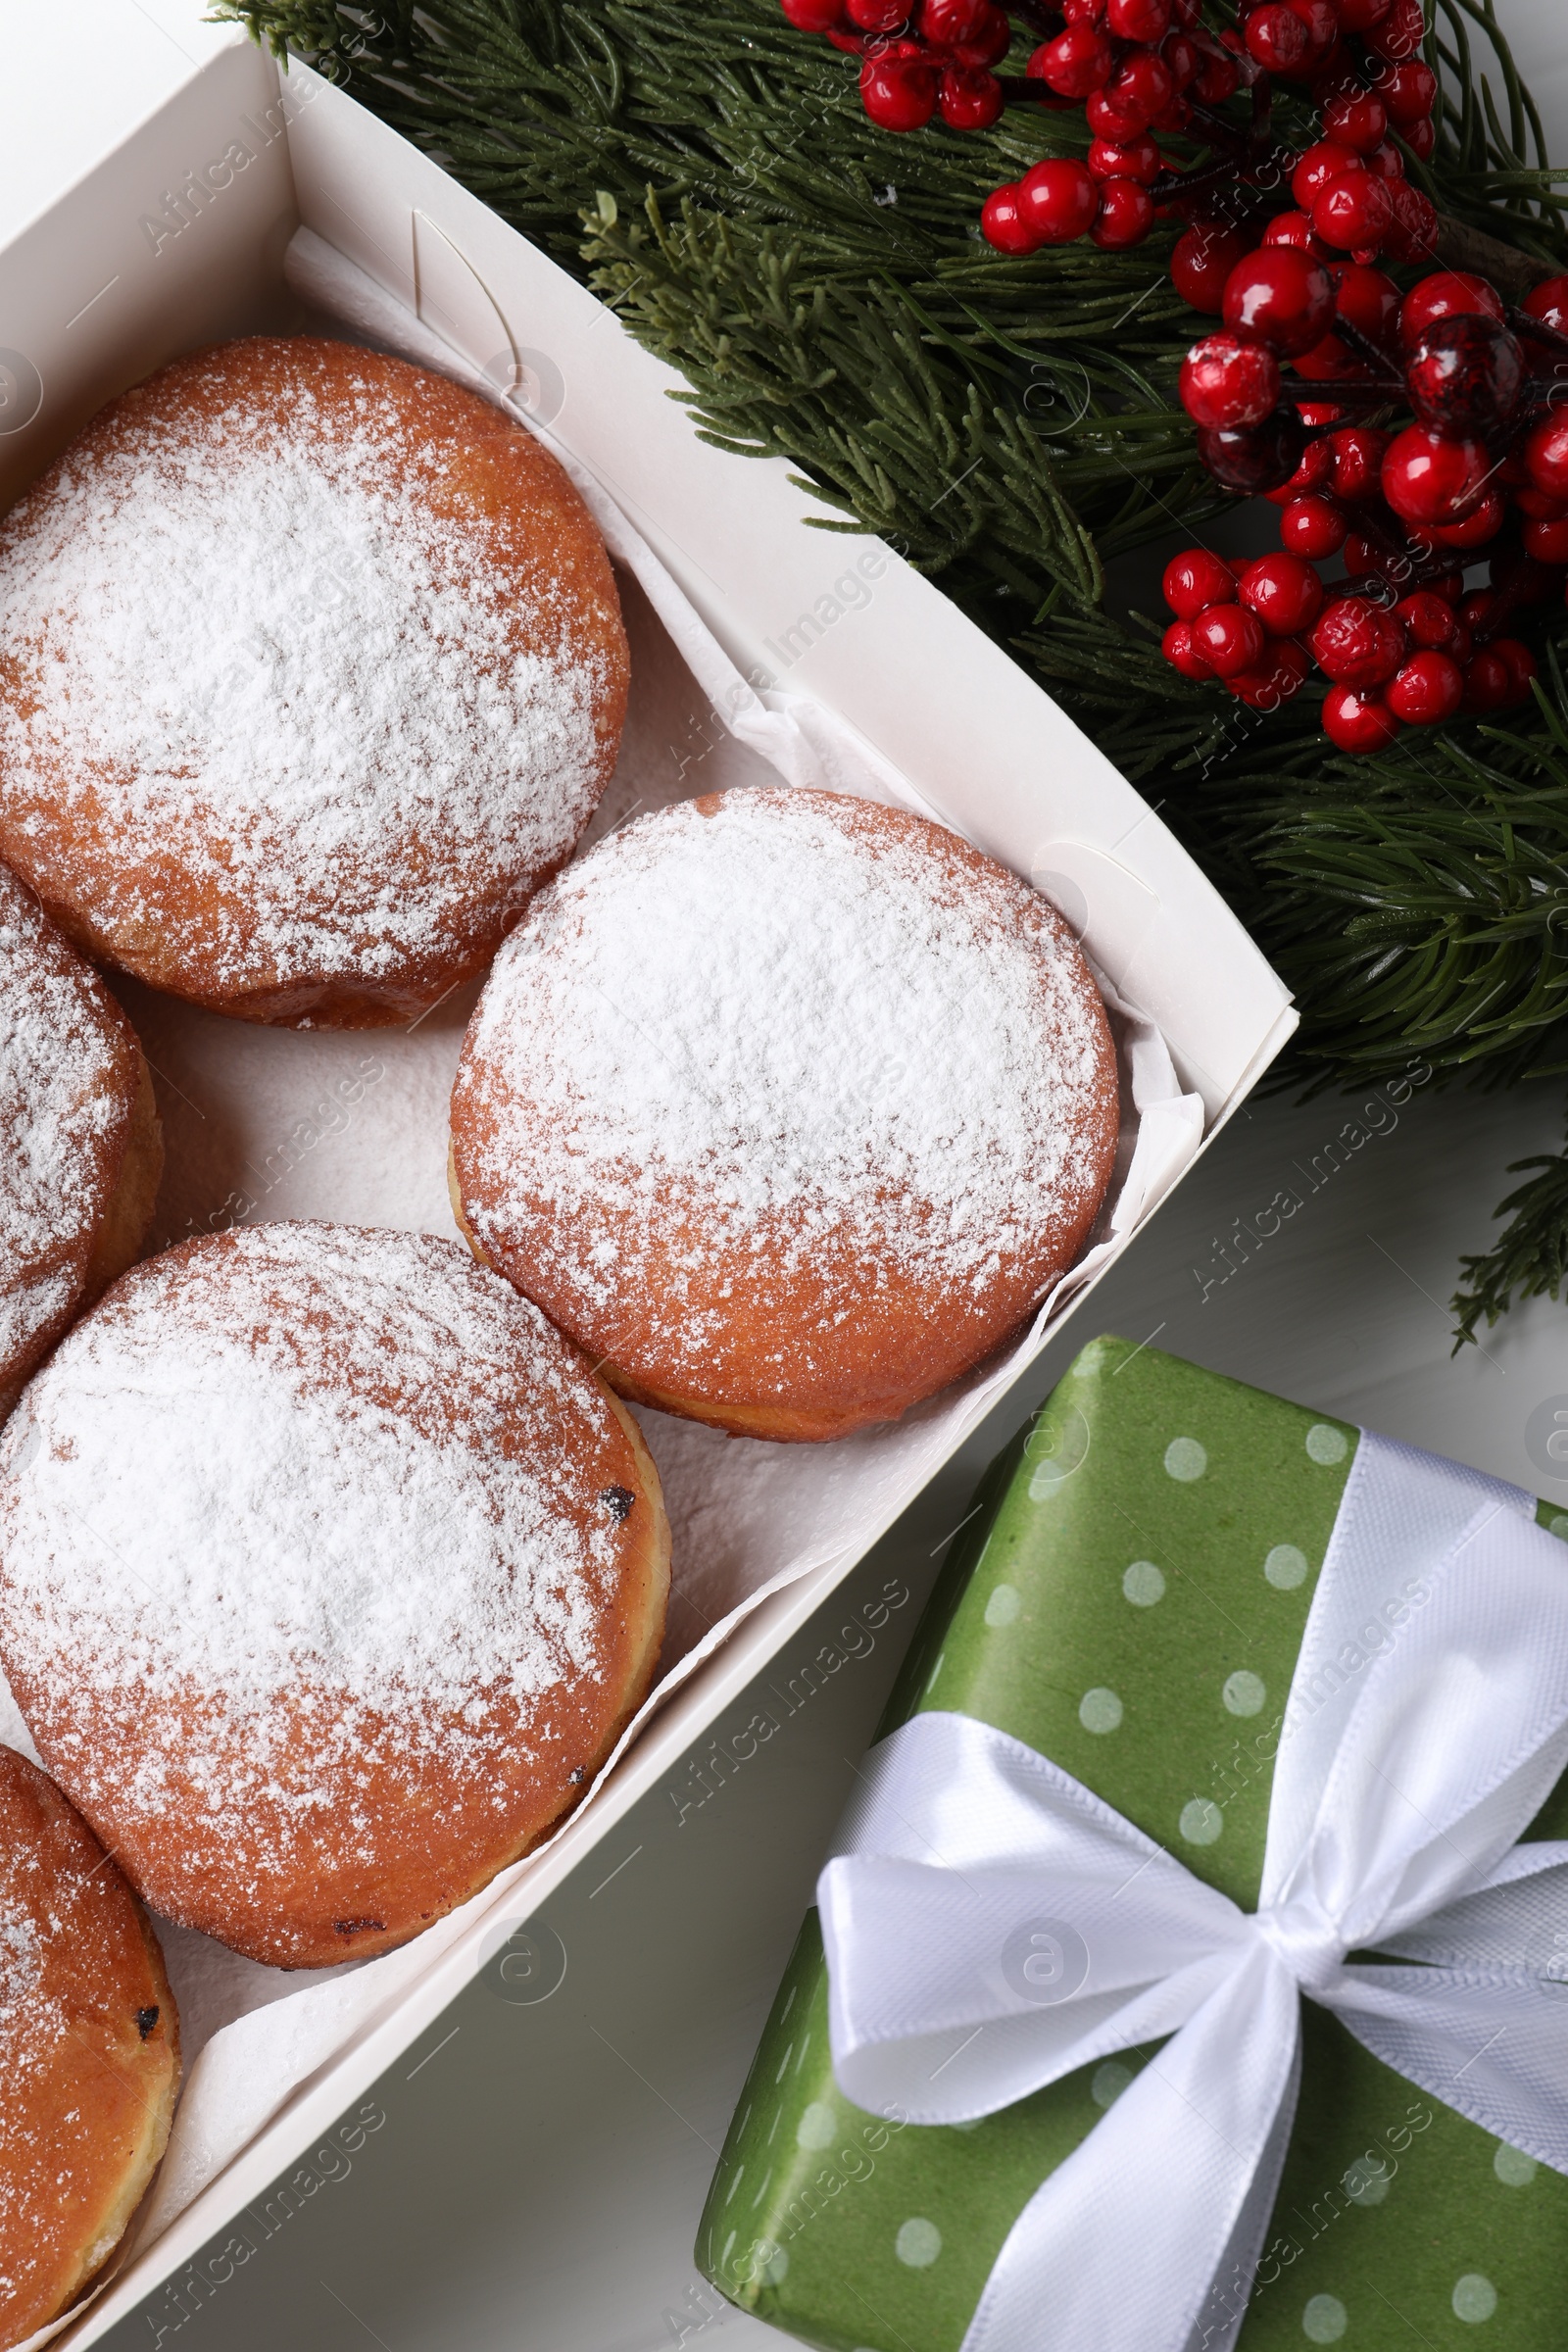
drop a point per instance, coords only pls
(991, 1925)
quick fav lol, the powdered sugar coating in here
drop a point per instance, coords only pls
(782, 1055)
(68, 1069)
(315, 668)
(302, 1527)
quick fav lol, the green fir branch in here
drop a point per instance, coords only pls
(1529, 1260)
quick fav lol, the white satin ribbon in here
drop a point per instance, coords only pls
(991, 1925)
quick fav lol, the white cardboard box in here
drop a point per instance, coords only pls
(174, 236)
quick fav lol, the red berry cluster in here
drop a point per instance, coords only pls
(1285, 247)
(1483, 466)
(915, 67)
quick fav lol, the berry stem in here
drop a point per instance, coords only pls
(1343, 391)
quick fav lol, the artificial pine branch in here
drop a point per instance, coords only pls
(1529, 1258)
(1416, 906)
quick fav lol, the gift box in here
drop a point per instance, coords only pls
(1179, 1604)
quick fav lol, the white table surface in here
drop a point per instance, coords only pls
(537, 2182)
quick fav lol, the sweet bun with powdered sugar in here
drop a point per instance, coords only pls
(314, 670)
(81, 1148)
(789, 1108)
(89, 2052)
(329, 1574)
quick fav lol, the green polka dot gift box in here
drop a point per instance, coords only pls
(1126, 1640)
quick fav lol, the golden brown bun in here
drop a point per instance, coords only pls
(89, 2052)
(81, 1148)
(372, 1576)
(788, 1108)
(314, 670)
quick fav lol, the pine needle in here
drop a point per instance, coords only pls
(1529, 1258)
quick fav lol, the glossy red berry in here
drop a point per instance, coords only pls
(1465, 376)
(1421, 139)
(1059, 200)
(990, 44)
(1279, 298)
(1363, 558)
(1216, 79)
(1520, 663)
(1283, 592)
(1180, 652)
(1312, 473)
(1282, 673)
(1445, 294)
(1322, 21)
(1358, 119)
(1126, 214)
(814, 16)
(1135, 158)
(949, 24)
(1195, 579)
(1225, 383)
(1253, 459)
(1548, 542)
(1413, 233)
(1409, 92)
(1003, 223)
(1138, 20)
(1549, 303)
(1203, 258)
(1488, 682)
(1277, 38)
(1353, 212)
(1327, 360)
(1229, 638)
(1139, 89)
(969, 98)
(1181, 59)
(1483, 522)
(1356, 453)
(1401, 32)
(1357, 723)
(1429, 478)
(1312, 527)
(1357, 643)
(877, 16)
(1385, 161)
(1426, 691)
(899, 93)
(1296, 229)
(1076, 62)
(1428, 619)
(1363, 16)
(1318, 169)
(1482, 611)
(1369, 300)
(1546, 454)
